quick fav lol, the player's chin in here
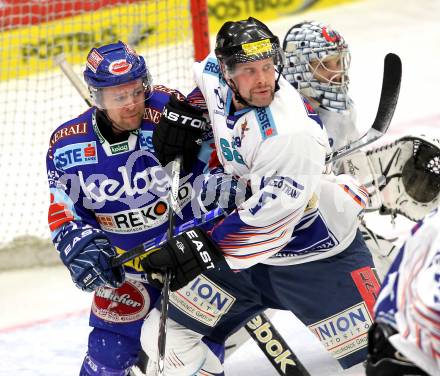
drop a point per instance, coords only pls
(131, 124)
(262, 99)
(261, 102)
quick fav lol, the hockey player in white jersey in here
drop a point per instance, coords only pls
(318, 60)
(294, 240)
(405, 338)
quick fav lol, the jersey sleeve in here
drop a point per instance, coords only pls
(66, 212)
(284, 176)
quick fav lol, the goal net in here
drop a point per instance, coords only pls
(36, 97)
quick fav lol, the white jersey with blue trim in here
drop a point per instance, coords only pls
(280, 151)
(409, 299)
(340, 126)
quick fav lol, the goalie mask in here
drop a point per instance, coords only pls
(116, 68)
(318, 60)
(403, 175)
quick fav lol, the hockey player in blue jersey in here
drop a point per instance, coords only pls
(108, 193)
(294, 241)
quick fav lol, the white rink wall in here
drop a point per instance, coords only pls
(372, 29)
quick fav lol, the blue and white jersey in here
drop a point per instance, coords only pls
(120, 188)
(409, 299)
(340, 126)
(294, 214)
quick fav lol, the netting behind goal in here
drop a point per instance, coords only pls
(36, 97)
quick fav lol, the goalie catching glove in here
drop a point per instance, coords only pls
(402, 177)
(179, 132)
(187, 255)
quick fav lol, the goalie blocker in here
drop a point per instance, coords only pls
(402, 177)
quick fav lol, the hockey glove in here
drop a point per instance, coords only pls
(187, 255)
(87, 253)
(179, 132)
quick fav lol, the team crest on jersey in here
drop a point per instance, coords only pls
(128, 303)
(244, 128)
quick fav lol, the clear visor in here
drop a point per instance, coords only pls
(332, 69)
(239, 63)
(125, 95)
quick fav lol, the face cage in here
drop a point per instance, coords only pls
(421, 173)
(97, 94)
(332, 94)
(345, 57)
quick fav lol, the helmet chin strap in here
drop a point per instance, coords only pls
(107, 128)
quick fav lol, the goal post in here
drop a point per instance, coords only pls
(36, 97)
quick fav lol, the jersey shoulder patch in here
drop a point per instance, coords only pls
(311, 113)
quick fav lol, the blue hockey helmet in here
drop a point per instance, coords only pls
(113, 65)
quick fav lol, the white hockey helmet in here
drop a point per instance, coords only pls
(307, 46)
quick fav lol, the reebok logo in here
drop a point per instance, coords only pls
(270, 341)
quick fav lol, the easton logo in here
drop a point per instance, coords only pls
(184, 120)
(205, 256)
(119, 67)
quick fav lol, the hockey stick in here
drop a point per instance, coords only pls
(60, 60)
(273, 345)
(173, 205)
(392, 75)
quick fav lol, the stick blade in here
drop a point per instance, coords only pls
(389, 95)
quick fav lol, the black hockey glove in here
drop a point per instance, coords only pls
(187, 255)
(179, 132)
